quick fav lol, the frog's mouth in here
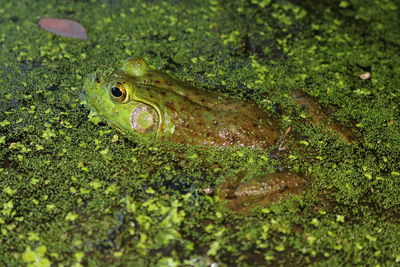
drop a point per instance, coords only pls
(144, 118)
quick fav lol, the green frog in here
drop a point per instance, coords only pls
(148, 104)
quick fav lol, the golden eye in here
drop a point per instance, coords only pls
(118, 93)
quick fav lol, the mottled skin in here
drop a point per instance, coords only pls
(181, 112)
(149, 104)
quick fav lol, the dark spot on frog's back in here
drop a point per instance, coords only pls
(170, 105)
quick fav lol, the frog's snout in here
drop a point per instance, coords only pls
(92, 88)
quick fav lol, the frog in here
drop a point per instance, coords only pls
(150, 105)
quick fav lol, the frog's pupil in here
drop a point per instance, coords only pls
(116, 92)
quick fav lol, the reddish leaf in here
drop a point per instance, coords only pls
(63, 27)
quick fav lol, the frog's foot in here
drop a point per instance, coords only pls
(274, 154)
(261, 190)
(319, 116)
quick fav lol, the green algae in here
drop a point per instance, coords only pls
(77, 193)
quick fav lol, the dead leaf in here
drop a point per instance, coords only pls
(63, 27)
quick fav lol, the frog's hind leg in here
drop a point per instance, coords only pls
(261, 190)
(318, 116)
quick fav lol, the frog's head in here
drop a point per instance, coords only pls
(115, 97)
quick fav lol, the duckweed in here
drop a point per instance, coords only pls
(75, 192)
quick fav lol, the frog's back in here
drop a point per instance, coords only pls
(228, 122)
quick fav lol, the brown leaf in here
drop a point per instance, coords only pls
(63, 27)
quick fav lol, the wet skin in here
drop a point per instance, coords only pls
(148, 104)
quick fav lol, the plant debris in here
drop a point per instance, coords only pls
(63, 27)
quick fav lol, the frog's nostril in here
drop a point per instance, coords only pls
(93, 78)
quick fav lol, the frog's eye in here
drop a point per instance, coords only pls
(118, 93)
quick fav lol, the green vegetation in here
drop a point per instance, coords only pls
(76, 193)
